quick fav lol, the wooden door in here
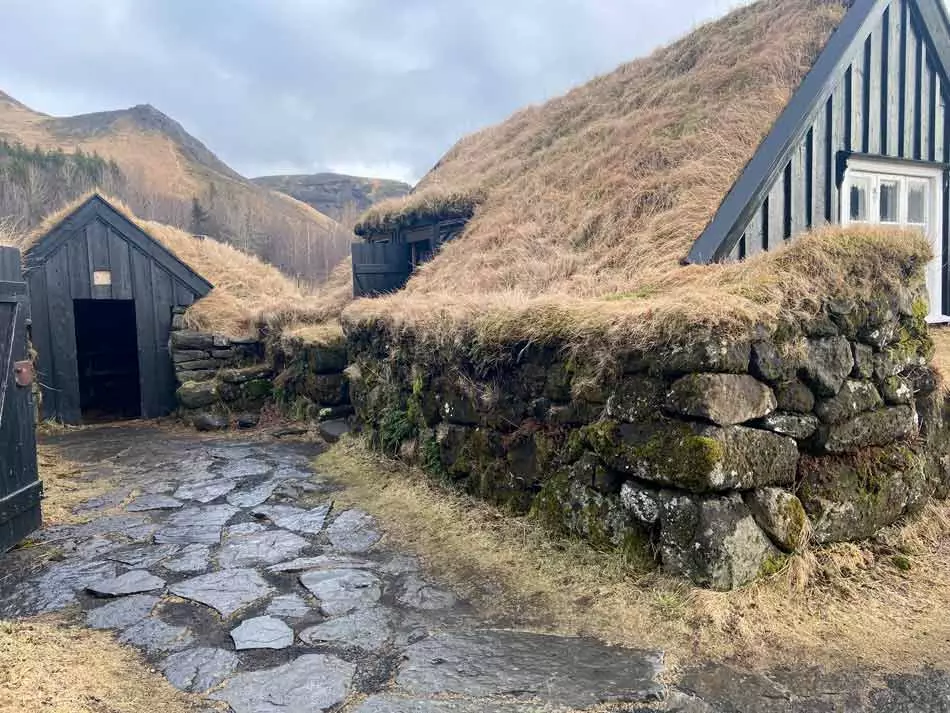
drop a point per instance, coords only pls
(20, 488)
(379, 268)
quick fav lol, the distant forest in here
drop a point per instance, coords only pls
(34, 182)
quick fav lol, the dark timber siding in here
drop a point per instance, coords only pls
(59, 269)
(889, 101)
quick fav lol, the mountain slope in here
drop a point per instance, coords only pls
(337, 195)
(164, 174)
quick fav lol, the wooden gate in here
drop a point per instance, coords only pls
(379, 268)
(20, 488)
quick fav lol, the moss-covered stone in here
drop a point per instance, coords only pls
(873, 428)
(569, 507)
(794, 396)
(714, 541)
(781, 515)
(636, 398)
(691, 456)
(195, 394)
(854, 397)
(851, 497)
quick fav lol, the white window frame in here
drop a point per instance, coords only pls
(876, 170)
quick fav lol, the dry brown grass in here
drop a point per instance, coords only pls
(247, 292)
(65, 486)
(838, 606)
(49, 666)
(941, 360)
(731, 299)
(600, 193)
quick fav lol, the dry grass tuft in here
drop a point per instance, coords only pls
(941, 360)
(48, 665)
(601, 192)
(248, 292)
(836, 606)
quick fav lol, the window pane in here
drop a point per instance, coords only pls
(917, 202)
(859, 199)
(890, 190)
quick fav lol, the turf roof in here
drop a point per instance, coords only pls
(586, 206)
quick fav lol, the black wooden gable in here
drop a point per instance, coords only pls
(879, 88)
(96, 224)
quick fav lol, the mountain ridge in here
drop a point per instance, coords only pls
(341, 196)
(164, 174)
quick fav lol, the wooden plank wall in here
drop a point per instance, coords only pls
(889, 102)
(68, 275)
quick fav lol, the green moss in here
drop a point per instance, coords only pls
(548, 506)
(902, 562)
(773, 565)
(673, 453)
(258, 389)
(395, 428)
(432, 459)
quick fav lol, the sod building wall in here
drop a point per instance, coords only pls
(713, 458)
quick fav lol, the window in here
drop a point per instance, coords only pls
(904, 195)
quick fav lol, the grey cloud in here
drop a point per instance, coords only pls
(303, 85)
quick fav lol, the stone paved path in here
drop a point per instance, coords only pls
(229, 566)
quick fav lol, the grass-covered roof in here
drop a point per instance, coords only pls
(585, 207)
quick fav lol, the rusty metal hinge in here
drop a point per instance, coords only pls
(23, 371)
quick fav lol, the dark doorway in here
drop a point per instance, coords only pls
(108, 359)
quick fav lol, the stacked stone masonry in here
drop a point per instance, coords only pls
(225, 381)
(716, 458)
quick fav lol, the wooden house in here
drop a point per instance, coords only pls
(102, 293)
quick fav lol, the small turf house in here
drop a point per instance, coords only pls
(102, 293)
(863, 139)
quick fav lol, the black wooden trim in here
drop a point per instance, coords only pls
(98, 207)
(22, 500)
(848, 155)
(933, 23)
(945, 270)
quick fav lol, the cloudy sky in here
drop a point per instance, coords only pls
(372, 87)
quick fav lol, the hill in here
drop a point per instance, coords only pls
(163, 173)
(341, 197)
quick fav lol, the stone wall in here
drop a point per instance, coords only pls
(713, 458)
(225, 381)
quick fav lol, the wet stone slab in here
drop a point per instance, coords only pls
(205, 491)
(192, 558)
(341, 591)
(419, 594)
(226, 591)
(155, 636)
(199, 670)
(245, 468)
(311, 684)
(369, 629)
(234, 452)
(147, 502)
(289, 606)
(103, 502)
(558, 670)
(56, 588)
(303, 564)
(260, 548)
(297, 519)
(353, 531)
(254, 496)
(145, 556)
(136, 581)
(262, 632)
(122, 613)
(197, 525)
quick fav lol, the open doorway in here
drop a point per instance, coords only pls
(108, 361)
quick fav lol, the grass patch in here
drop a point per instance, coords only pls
(49, 665)
(838, 606)
(65, 485)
